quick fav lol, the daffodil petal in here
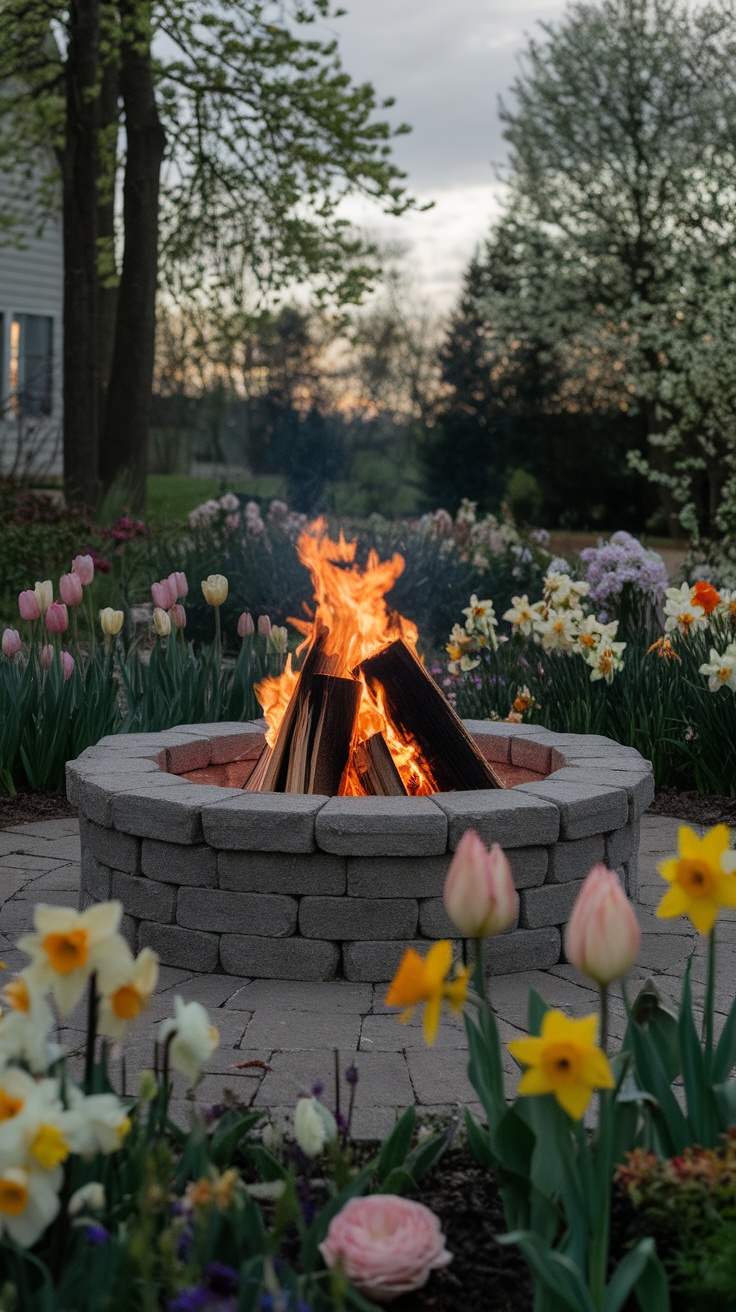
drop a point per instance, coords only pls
(408, 986)
(676, 902)
(726, 891)
(555, 1024)
(668, 869)
(703, 912)
(596, 1070)
(533, 1083)
(715, 844)
(526, 1051)
(437, 963)
(573, 1098)
(688, 843)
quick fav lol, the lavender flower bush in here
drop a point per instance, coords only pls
(622, 563)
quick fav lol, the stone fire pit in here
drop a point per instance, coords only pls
(284, 886)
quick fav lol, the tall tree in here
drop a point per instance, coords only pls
(261, 134)
(622, 130)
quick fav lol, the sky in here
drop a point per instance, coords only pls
(446, 62)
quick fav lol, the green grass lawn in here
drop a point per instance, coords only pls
(172, 496)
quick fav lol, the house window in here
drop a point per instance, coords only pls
(31, 365)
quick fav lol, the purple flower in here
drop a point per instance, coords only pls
(351, 1074)
(184, 1244)
(193, 1299)
(96, 1235)
(214, 1112)
(317, 1089)
(221, 1278)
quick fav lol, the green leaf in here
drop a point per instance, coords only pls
(395, 1148)
(398, 1181)
(429, 1151)
(537, 1010)
(627, 1275)
(233, 1127)
(651, 1074)
(693, 1071)
(553, 1271)
(478, 1142)
(725, 1054)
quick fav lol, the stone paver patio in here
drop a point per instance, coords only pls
(279, 1038)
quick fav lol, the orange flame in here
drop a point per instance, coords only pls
(354, 621)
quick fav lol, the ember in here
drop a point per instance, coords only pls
(361, 715)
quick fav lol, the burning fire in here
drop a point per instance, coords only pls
(354, 622)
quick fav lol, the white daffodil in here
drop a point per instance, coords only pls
(727, 605)
(314, 1126)
(25, 1025)
(481, 616)
(88, 1198)
(721, 671)
(606, 661)
(559, 630)
(191, 1037)
(564, 593)
(19, 1098)
(520, 615)
(682, 613)
(29, 1201)
(101, 1125)
(70, 946)
(592, 633)
(130, 997)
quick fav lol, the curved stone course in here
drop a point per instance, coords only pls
(275, 885)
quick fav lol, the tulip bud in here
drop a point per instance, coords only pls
(29, 605)
(245, 625)
(264, 625)
(479, 889)
(278, 640)
(70, 588)
(11, 643)
(57, 617)
(111, 621)
(163, 594)
(162, 622)
(178, 616)
(215, 589)
(67, 664)
(44, 594)
(84, 568)
(603, 935)
(178, 582)
(46, 657)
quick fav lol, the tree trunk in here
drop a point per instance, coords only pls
(80, 168)
(108, 281)
(124, 445)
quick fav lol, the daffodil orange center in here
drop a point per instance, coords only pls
(696, 877)
(9, 1107)
(17, 996)
(587, 640)
(561, 1063)
(13, 1197)
(686, 620)
(126, 1002)
(67, 952)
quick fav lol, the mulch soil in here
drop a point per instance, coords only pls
(25, 808)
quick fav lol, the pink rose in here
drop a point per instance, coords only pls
(67, 664)
(84, 568)
(46, 657)
(57, 618)
(11, 643)
(178, 616)
(163, 594)
(178, 581)
(388, 1245)
(603, 935)
(28, 605)
(479, 889)
(70, 587)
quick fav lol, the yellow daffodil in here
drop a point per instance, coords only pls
(130, 997)
(424, 979)
(701, 878)
(563, 1060)
(69, 946)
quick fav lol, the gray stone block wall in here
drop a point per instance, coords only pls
(281, 886)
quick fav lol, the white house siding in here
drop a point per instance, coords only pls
(31, 282)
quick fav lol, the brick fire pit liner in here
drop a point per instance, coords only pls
(285, 886)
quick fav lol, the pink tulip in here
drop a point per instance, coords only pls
(178, 581)
(11, 643)
(46, 657)
(163, 594)
(479, 889)
(70, 587)
(603, 935)
(67, 664)
(28, 605)
(264, 626)
(245, 625)
(84, 568)
(57, 617)
(387, 1245)
(178, 616)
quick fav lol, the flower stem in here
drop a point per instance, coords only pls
(710, 989)
(479, 978)
(604, 1018)
(89, 1065)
